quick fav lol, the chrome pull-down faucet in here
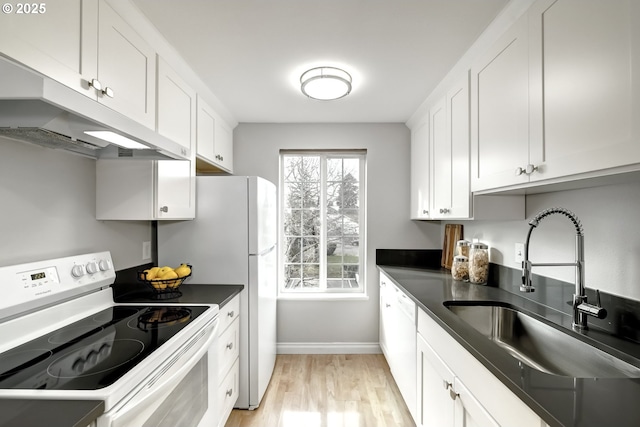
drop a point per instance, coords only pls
(581, 308)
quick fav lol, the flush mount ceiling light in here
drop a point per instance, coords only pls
(325, 83)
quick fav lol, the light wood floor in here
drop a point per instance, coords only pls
(328, 391)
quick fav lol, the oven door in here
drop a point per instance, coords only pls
(178, 393)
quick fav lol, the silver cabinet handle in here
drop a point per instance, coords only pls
(528, 170)
(95, 83)
(445, 210)
(425, 212)
(448, 386)
(108, 91)
(230, 345)
(229, 392)
(231, 313)
(164, 209)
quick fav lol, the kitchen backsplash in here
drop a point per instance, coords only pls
(48, 200)
(609, 215)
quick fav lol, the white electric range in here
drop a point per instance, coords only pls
(63, 337)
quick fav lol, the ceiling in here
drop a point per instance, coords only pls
(251, 53)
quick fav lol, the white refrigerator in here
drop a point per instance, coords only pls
(233, 240)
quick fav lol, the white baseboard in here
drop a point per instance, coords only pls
(328, 348)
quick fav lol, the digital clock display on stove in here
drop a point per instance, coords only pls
(38, 276)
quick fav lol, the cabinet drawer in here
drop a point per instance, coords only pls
(228, 393)
(228, 347)
(229, 313)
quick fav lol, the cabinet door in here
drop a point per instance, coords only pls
(224, 146)
(206, 131)
(420, 171)
(434, 385)
(440, 161)
(175, 189)
(588, 55)
(126, 68)
(385, 316)
(215, 139)
(458, 135)
(57, 38)
(468, 411)
(500, 111)
(124, 189)
(176, 107)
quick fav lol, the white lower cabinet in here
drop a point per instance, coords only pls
(461, 392)
(228, 358)
(443, 400)
(435, 379)
(398, 338)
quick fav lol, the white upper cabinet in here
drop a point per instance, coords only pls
(58, 39)
(126, 68)
(88, 47)
(420, 180)
(214, 139)
(144, 190)
(440, 164)
(557, 96)
(176, 107)
(450, 154)
(500, 111)
(585, 71)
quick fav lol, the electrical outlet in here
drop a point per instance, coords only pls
(519, 254)
(146, 251)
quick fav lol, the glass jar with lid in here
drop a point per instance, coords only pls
(462, 248)
(478, 263)
(460, 268)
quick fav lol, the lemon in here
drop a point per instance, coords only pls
(183, 270)
(162, 271)
(151, 273)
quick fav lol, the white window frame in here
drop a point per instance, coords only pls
(323, 292)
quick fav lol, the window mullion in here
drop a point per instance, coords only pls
(323, 223)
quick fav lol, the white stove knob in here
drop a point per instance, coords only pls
(104, 265)
(77, 271)
(92, 267)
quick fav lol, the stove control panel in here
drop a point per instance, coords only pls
(31, 285)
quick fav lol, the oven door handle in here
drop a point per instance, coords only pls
(151, 394)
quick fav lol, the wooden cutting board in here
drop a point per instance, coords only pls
(452, 233)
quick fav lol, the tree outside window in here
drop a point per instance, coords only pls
(321, 222)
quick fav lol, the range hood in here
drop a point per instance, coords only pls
(38, 110)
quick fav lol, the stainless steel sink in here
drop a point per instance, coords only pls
(539, 345)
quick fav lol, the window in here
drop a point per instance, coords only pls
(322, 214)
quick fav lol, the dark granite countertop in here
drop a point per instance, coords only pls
(191, 293)
(50, 413)
(560, 401)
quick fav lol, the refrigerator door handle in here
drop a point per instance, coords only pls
(266, 251)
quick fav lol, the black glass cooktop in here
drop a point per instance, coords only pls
(94, 352)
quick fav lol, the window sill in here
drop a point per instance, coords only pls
(323, 297)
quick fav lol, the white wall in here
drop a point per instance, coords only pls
(48, 209)
(610, 217)
(256, 152)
